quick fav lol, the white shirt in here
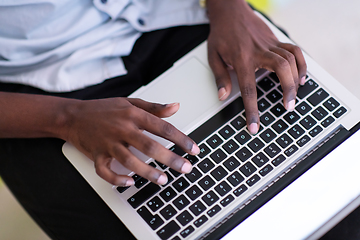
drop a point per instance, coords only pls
(66, 45)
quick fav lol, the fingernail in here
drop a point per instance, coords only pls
(253, 128)
(221, 93)
(186, 168)
(302, 81)
(129, 183)
(195, 150)
(291, 105)
(162, 180)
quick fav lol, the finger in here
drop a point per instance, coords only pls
(166, 130)
(102, 167)
(128, 160)
(155, 150)
(300, 60)
(292, 61)
(221, 74)
(276, 63)
(247, 86)
(159, 110)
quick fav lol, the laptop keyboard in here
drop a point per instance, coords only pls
(231, 160)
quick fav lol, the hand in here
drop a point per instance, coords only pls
(240, 40)
(103, 130)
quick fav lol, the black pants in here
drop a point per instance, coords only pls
(49, 187)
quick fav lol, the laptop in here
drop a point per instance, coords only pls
(292, 180)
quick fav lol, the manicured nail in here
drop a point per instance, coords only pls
(129, 183)
(221, 93)
(195, 150)
(291, 105)
(162, 180)
(302, 81)
(253, 128)
(186, 168)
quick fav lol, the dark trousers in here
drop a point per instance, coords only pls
(54, 193)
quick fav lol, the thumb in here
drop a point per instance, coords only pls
(159, 110)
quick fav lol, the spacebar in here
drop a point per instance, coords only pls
(141, 196)
(217, 120)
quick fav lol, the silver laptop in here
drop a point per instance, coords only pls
(281, 183)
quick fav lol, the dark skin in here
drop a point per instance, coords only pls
(104, 129)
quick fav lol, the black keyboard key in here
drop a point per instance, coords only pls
(317, 97)
(339, 112)
(256, 145)
(136, 177)
(200, 221)
(274, 77)
(280, 126)
(144, 194)
(303, 108)
(308, 122)
(331, 104)
(223, 188)
(231, 164)
(214, 141)
(243, 154)
(155, 204)
(260, 159)
(272, 150)
(240, 190)
(193, 175)
(227, 200)
(192, 159)
(218, 156)
(197, 208)
(184, 218)
(296, 131)
(170, 229)
(181, 202)
(268, 135)
(206, 165)
(141, 182)
(284, 140)
(291, 117)
(168, 212)
(154, 221)
(254, 179)
(181, 184)
(230, 146)
(152, 164)
(210, 198)
(187, 231)
(206, 183)
(266, 119)
(226, 132)
(193, 192)
(175, 173)
(291, 150)
(247, 169)
(319, 113)
(242, 137)
(170, 178)
(168, 193)
(329, 120)
(278, 110)
(265, 170)
(204, 150)
(238, 123)
(163, 166)
(259, 92)
(235, 179)
(121, 189)
(315, 131)
(266, 84)
(308, 87)
(274, 96)
(176, 149)
(278, 160)
(263, 105)
(219, 173)
(212, 212)
(303, 140)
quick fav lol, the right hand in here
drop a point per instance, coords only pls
(104, 129)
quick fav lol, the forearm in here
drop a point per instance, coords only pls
(33, 116)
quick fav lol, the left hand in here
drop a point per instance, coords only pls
(242, 41)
